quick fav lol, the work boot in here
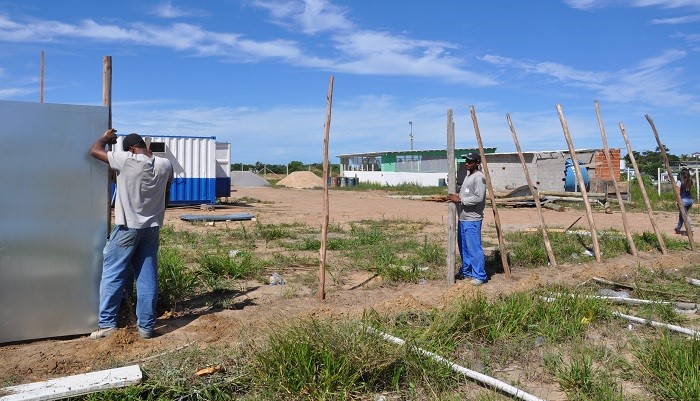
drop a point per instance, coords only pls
(102, 332)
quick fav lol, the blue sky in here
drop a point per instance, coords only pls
(255, 72)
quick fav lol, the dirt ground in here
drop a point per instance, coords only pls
(257, 303)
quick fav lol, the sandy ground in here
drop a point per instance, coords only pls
(256, 304)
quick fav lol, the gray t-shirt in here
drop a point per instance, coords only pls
(141, 187)
(473, 197)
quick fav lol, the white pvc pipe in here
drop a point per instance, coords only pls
(495, 383)
(637, 301)
(672, 327)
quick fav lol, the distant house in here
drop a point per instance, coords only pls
(422, 167)
(550, 170)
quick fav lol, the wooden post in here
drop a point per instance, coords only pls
(492, 196)
(324, 228)
(41, 84)
(451, 207)
(579, 177)
(643, 190)
(107, 102)
(628, 234)
(676, 191)
(535, 195)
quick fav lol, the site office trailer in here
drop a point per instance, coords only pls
(194, 161)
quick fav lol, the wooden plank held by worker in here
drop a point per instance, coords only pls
(625, 225)
(579, 177)
(492, 198)
(535, 195)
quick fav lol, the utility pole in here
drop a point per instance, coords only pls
(410, 136)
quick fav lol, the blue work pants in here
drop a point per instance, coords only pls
(471, 251)
(127, 249)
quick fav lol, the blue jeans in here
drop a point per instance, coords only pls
(471, 251)
(130, 249)
(687, 203)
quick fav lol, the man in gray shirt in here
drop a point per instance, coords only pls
(143, 192)
(471, 201)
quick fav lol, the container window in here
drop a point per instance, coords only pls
(157, 147)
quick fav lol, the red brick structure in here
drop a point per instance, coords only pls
(601, 170)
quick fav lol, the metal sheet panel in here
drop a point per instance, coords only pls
(53, 219)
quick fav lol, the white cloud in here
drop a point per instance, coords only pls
(167, 10)
(594, 4)
(311, 16)
(677, 21)
(362, 52)
(8, 93)
(652, 81)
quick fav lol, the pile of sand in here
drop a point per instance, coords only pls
(301, 179)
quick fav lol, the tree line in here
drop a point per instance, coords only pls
(648, 162)
(290, 167)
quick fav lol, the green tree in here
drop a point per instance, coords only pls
(296, 165)
(649, 162)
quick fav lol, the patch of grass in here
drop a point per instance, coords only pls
(583, 379)
(325, 360)
(171, 377)
(526, 249)
(175, 281)
(270, 232)
(670, 367)
(243, 265)
(519, 318)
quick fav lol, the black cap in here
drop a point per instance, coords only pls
(132, 140)
(472, 157)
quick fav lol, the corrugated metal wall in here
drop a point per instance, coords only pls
(53, 219)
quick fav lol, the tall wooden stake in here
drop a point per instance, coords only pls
(324, 228)
(579, 177)
(676, 190)
(451, 207)
(630, 240)
(41, 84)
(535, 195)
(643, 190)
(492, 196)
(107, 102)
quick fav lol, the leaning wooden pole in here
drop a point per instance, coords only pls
(107, 102)
(451, 206)
(643, 190)
(492, 196)
(579, 177)
(628, 233)
(324, 228)
(676, 190)
(535, 195)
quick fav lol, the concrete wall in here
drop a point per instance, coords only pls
(391, 178)
(546, 169)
